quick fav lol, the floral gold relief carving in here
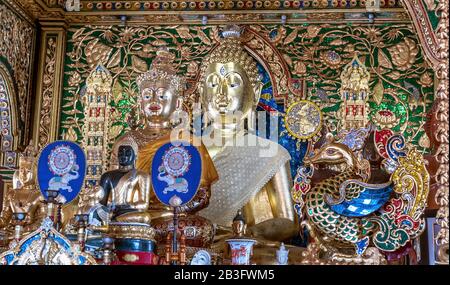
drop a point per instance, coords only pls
(18, 33)
(317, 53)
(127, 52)
(38, 9)
(48, 81)
(404, 54)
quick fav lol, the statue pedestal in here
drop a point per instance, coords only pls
(134, 244)
(241, 250)
(135, 252)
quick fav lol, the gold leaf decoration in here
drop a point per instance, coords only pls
(431, 4)
(96, 53)
(350, 48)
(71, 112)
(192, 68)
(77, 34)
(378, 92)
(337, 42)
(114, 131)
(394, 75)
(426, 80)
(362, 59)
(404, 54)
(114, 60)
(117, 91)
(68, 104)
(203, 37)
(158, 43)
(384, 60)
(311, 58)
(115, 116)
(215, 35)
(74, 79)
(291, 37)
(138, 64)
(183, 32)
(424, 141)
(116, 69)
(70, 135)
(312, 31)
(148, 48)
(299, 68)
(288, 59)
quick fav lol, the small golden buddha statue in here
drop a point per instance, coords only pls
(239, 226)
(23, 203)
(160, 97)
(254, 172)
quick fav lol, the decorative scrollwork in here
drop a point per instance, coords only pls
(442, 153)
(46, 246)
(48, 81)
(412, 177)
(17, 32)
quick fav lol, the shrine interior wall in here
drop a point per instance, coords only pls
(302, 62)
(402, 82)
(17, 45)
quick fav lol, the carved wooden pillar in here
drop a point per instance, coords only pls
(49, 83)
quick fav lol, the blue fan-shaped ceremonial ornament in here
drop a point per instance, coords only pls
(61, 168)
(176, 173)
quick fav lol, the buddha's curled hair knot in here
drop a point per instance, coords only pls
(231, 49)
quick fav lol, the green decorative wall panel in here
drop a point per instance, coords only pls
(401, 80)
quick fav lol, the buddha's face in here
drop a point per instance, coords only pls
(25, 171)
(238, 228)
(158, 102)
(226, 89)
(125, 155)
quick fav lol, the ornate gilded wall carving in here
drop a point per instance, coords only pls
(315, 53)
(425, 17)
(442, 134)
(8, 121)
(430, 19)
(16, 52)
(48, 82)
(49, 85)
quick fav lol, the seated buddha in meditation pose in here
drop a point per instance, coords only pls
(254, 171)
(127, 190)
(160, 89)
(24, 202)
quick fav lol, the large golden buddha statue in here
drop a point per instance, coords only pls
(23, 204)
(160, 96)
(254, 171)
